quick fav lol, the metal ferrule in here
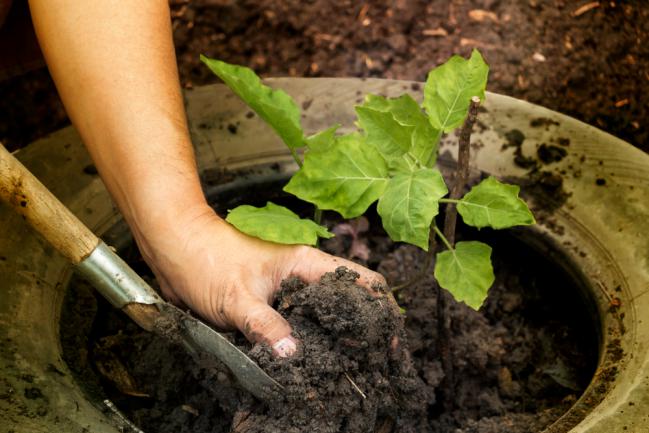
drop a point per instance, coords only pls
(114, 279)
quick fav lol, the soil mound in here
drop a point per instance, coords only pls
(352, 372)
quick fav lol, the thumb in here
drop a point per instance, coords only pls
(260, 323)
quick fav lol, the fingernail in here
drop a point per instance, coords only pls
(285, 347)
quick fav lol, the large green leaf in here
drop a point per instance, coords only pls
(277, 224)
(384, 132)
(449, 88)
(409, 203)
(466, 272)
(276, 107)
(494, 204)
(346, 177)
(420, 147)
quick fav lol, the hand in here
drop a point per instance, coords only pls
(230, 278)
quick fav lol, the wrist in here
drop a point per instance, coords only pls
(173, 220)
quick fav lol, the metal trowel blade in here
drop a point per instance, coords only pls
(201, 338)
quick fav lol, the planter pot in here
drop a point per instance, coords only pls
(591, 204)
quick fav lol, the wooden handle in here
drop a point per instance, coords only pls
(38, 206)
(144, 315)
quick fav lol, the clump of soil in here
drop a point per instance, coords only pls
(352, 372)
(539, 183)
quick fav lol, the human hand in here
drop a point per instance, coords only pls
(230, 278)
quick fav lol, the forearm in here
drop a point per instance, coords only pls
(114, 66)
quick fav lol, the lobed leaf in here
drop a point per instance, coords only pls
(450, 87)
(420, 138)
(409, 204)
(466, 272)
(494, 204)
(276, 107)
(384, 132)
(323, 139)
(404, 109)
(425, 142)
(346, 177)
(276, 224)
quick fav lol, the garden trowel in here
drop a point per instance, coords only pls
(116, 281)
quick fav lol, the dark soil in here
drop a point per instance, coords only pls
(520, 362)
(516, 366)
(592, 65)
(350, 375)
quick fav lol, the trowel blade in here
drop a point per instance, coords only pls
(201, 338)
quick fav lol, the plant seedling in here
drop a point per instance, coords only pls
(392, 160)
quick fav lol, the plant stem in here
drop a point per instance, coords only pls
(448, 237)
(317, 214)
(462, 171)
(445, 241)
(296, 157)
(444, 337)
(317, 217)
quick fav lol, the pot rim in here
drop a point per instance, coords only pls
(613, 234)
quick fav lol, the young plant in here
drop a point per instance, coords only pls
(392, 160)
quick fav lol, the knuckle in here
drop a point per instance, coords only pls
(379, 278)
(303, 253)
(223, 301)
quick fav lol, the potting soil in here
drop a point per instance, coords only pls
(519, 363)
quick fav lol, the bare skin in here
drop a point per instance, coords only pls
(115, 68)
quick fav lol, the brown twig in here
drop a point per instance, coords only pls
(585, 8)
(242, 422)
(462, 171)
(352, 383)
(443, 319)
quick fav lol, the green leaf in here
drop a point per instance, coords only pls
(323, 139)
(422, 145)
(409, 203)
(494, 204)
(404, 164)
(276, 224)
(404, 109)
(384, 132)
(450, 87)
(466, 272)
(347, 177)
(425, 141)
(276, 107)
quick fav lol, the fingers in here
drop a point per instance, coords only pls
(312, 263)
(262, 324)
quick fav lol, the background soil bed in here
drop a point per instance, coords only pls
(520, 362)
(594, 66)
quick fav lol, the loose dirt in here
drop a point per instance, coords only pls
(520, 362)
(592, 64)
(351, 375)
